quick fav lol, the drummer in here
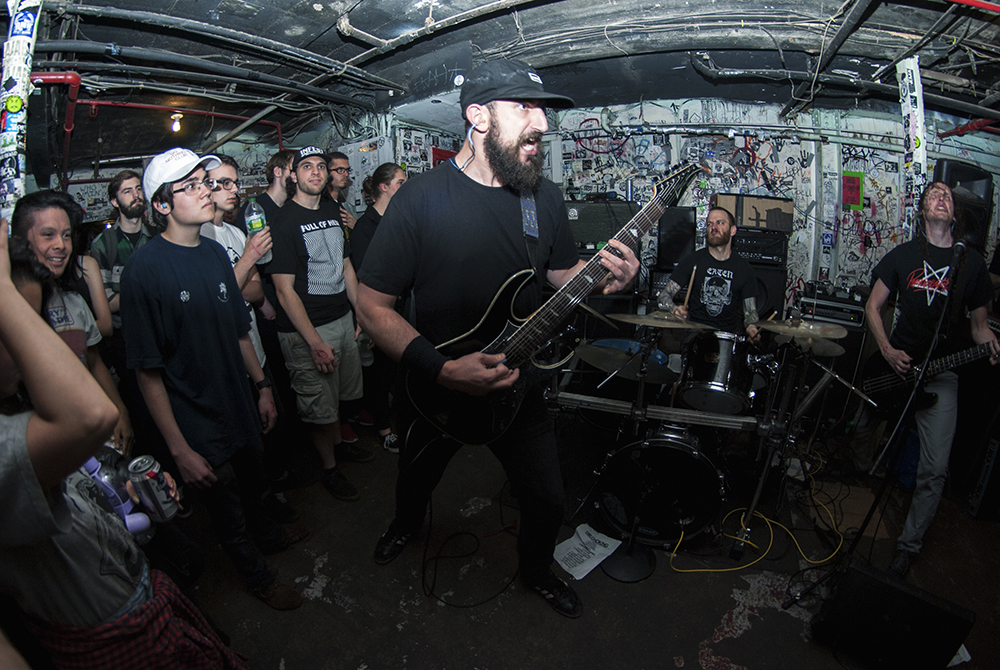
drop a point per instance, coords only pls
(723, 287)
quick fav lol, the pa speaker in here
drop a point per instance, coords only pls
(883, 623)
(972, 190)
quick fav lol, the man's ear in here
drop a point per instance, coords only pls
(162, 207)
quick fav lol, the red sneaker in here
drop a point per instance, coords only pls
(347, 434)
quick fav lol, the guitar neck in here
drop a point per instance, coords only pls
(958, 358)
(539, 327)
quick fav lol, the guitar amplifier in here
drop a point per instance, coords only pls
(769, 247)
(830, 309)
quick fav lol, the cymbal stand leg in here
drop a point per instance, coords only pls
(631, 562)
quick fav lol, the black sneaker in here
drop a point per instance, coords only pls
(391, 544)
(352, 453)
(390, 443)
(336, 483)
(559, 595)
(901, 563)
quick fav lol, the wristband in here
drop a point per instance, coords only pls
(421, 355)
(262, 384)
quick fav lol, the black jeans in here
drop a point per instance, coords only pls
(527, 452)
(239, 520)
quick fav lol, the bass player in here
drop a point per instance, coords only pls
(919, 271)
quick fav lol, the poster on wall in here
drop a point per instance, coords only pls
(853, 190)
(364, 157)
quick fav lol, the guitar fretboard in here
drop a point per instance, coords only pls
(538, 328)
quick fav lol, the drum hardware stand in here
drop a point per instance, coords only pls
(632, 562)
(776, 435)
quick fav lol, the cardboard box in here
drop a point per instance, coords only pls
(756, 212)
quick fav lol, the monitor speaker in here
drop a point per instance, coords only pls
(884, 623)
(972, 189)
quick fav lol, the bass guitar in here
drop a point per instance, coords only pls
(889, 391)
(482, 419)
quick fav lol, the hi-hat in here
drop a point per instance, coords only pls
(816, 345)
(659, 320)
(798, 329)
(610, 359)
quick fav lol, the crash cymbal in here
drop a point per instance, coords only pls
(610, 359)
(804, 329)
(658, 320)
(817, 345)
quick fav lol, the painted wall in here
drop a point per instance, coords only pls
(748, 149)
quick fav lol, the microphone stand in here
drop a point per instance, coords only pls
(894, 440)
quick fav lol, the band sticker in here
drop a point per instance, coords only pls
(14, 103)
(23, 24)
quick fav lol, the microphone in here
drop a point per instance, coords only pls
(957, 252)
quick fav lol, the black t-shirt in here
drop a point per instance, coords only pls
(995, 263)
(310, 244)
(361, 236)
(182, 314)
(454, 242)
(720, 287)
(271, 210)
(921, 285)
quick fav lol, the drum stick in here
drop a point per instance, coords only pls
(690, 286)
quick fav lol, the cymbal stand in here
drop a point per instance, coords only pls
(631, 561)
(774, 432)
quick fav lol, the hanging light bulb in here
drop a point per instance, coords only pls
(176, 125)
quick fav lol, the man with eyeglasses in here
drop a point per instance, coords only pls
(340, 179)
(316, 286)
(186, 334)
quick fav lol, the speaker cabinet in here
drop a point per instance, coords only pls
(675, 237)
(888, 624)
(972, 189)
(771, 290)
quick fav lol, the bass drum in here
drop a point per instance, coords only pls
(665, 481)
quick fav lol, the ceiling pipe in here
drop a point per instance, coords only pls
(155, 71)
(941, 101)
(851, 22)
(72, 79)
(978, 4)
(235, 37)
(117, 51)
(182, 110)
(431, 26)
(971, 126)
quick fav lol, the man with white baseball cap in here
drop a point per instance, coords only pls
(186, 336)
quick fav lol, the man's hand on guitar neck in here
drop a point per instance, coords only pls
(621, 262)
(477, 374)
(897, 359)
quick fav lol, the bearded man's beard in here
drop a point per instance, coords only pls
(506, 161)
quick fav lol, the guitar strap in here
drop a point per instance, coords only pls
(529, 219)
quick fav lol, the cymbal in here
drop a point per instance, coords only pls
(659, 320)
(610, 359)
(800, 328)
(817, 345)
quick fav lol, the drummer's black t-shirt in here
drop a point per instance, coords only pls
(720, 287)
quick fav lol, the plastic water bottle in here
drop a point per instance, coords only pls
(256, 222)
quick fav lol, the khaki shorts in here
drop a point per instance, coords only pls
(318, 396)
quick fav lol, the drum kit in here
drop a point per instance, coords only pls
(663, 486)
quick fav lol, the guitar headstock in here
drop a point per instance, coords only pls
(676, 178)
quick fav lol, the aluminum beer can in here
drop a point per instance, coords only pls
(149, 482)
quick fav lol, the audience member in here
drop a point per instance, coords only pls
(339, 168)
(69, 563)
(186, 335)
(378, 377)
(49, 220)
(316, 287)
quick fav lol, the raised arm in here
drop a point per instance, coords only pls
(98, 295)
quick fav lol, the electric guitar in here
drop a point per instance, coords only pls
(890, 391)
(482, 419)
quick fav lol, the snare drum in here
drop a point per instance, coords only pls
(667, 483)
(717, 376)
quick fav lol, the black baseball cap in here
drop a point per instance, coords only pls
(308, 152)
(507, 80)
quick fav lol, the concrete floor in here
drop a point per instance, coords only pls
(358, 615)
